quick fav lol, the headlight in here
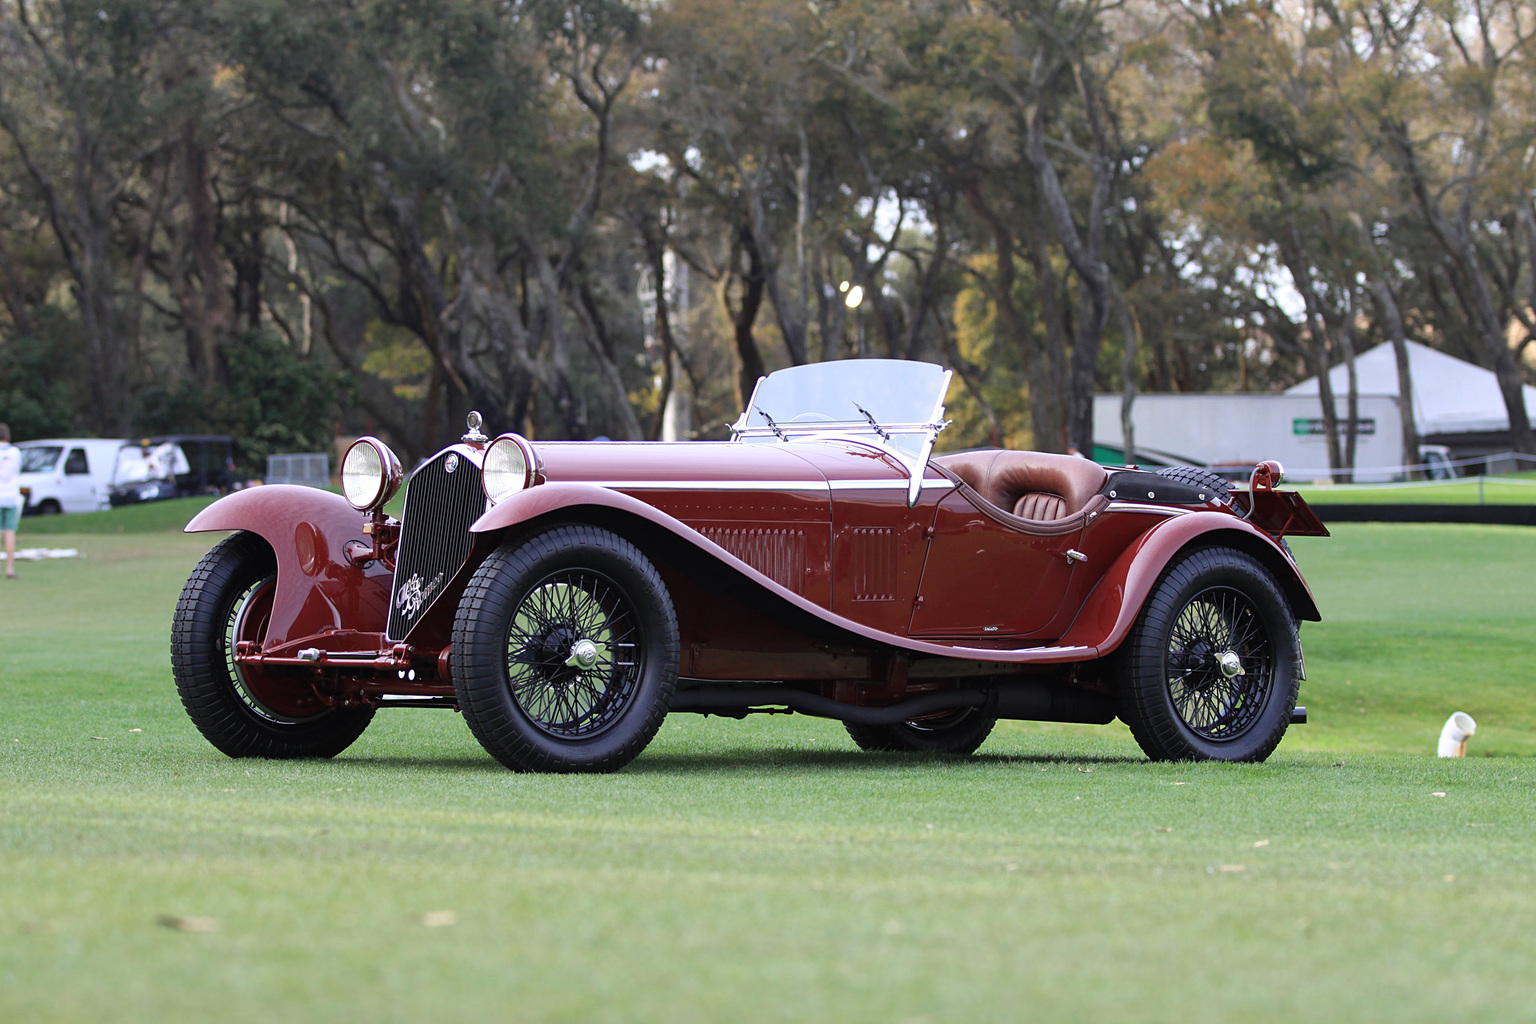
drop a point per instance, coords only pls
(510, 466)
(370, 474)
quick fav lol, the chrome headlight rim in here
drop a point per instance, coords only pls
(376, 479)
(501, 483)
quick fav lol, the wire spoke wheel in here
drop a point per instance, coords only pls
(574, 649)
(565, 651)
(1211, 667)
(1217, 697)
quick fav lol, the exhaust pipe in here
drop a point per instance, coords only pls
(1033, 701)
(1453, 738)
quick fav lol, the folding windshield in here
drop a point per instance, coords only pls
(40, 460)
(897, 404)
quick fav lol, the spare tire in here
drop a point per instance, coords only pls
(1198, 477)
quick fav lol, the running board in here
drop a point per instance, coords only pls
(1030, 701)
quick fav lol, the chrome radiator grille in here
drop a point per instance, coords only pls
(440, 507)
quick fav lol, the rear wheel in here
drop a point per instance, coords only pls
(565, 652)
(954, 732)
(1210, 669)
(243, 710)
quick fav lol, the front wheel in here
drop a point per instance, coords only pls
(1210, 669)
(243, 710)
(565, 652)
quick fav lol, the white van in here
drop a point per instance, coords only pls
(68, 474)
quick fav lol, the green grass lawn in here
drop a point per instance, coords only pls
(1518, 489)
(150, 517)
(766, 870)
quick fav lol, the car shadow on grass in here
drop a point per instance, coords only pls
(852, 760)
(760, 760)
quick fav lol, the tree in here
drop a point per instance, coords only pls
(89, 70)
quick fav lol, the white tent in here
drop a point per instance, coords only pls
(1450, 395)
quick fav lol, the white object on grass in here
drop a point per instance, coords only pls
(38, 554)
(1453, 738)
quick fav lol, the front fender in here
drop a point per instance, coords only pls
(545, 498)
(1112, 607)
(318, 588)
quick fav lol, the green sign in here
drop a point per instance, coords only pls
(1306, 427)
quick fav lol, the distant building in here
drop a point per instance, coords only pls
(1455, 403)
(1235, 431)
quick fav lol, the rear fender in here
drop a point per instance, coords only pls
(318, 588)
(1112, 607)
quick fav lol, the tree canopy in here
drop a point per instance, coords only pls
(290, 218)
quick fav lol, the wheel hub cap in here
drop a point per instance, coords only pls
(584, 655)
(1231, 664)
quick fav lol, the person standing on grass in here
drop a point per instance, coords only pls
(10, 497)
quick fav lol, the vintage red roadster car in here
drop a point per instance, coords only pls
(566, 597)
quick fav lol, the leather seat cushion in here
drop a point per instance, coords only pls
(1032, 485)
(1040, 505)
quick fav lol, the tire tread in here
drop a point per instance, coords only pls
(1144, 703)
(208, 693)
(478, 638)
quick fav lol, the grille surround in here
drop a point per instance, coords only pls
(440, 507)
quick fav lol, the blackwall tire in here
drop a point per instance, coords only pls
(1197, 477)
(958, 733)
(1179, 700)
(565, 651)
(241, 713)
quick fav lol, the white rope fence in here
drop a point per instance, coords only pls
(1295, 476)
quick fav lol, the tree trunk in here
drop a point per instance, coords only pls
(1296, 262)
(15, 302)
(742, 319)
(1087, 258)
(1393, 320)
(1047, 375)
(1131, 330)
(1044, 420)
(208, 307)
(1352, 400)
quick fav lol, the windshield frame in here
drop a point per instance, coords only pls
(866, 429)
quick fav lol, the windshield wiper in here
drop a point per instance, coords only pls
(772, 425)
(878, 429)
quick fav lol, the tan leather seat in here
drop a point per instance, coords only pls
(1030, 485)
